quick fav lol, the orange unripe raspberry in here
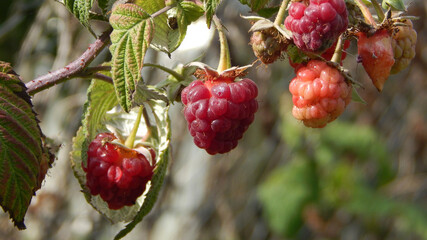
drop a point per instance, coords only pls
(319, 93)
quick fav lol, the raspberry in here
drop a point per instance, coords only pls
(376, 53)
(317, 26)
(403, 43)
(119, 175)
(319, 93)
(218, 111)
(267, 45)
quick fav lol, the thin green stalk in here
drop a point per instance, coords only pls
(336, 58)
(366, 13)
(282, 12)
(378, 9)
(168, 70)
(224, 58)
(131, 139)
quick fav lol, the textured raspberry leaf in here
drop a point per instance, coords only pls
(285, 193)
(395, 4)
(166, 38)
(145, 93)
(80, 9)
(24, 156)
(101, 114)
(130, 40)
(355, 96)
(210, 9)
(255, 5)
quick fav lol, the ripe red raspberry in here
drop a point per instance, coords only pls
(319, 93)
(218, 111)
(376, 53)
(119, 175)
(317, 26)
(404, 39)
(268, 45)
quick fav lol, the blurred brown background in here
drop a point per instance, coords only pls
(361, 177)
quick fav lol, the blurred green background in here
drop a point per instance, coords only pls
(363, 176)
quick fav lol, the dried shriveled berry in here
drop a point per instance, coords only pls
(404, 39)
(268, 45)
(319, 93)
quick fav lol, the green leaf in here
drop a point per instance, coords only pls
(255, 5)
(394, 4)
(105, 5)
(130, 40)
(167, 38)
(355, 96)
(80, 9)
(187, 12)
(210, 9)
(268, 12)
(285, 193)
(296, 55)
(145, 93)
(24, 157)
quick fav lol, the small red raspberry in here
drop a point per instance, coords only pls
(218, 111)
(404, 39)
(376, 53)
(319, 93)
(317, 26)
(119, 175)
(268, 45)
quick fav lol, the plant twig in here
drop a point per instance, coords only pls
(379, 10)
(281, 14)
(175, 74)
(224, 58)
(366, 13)
(71, 70)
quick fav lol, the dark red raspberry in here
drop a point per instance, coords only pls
(319, 93)
(119, 175)
(218, 111)
(317, 26)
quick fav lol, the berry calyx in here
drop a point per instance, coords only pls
(377, 56)
(268, 45)
(319, 93)
(316, 26)
(118, 174)
(404, 39)
(219, 110)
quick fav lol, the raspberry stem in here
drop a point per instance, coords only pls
(282, 12)
(336, 58)
(366, 13)
(175, 74)
(131, 139)
(224, 58)
(379, 10)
